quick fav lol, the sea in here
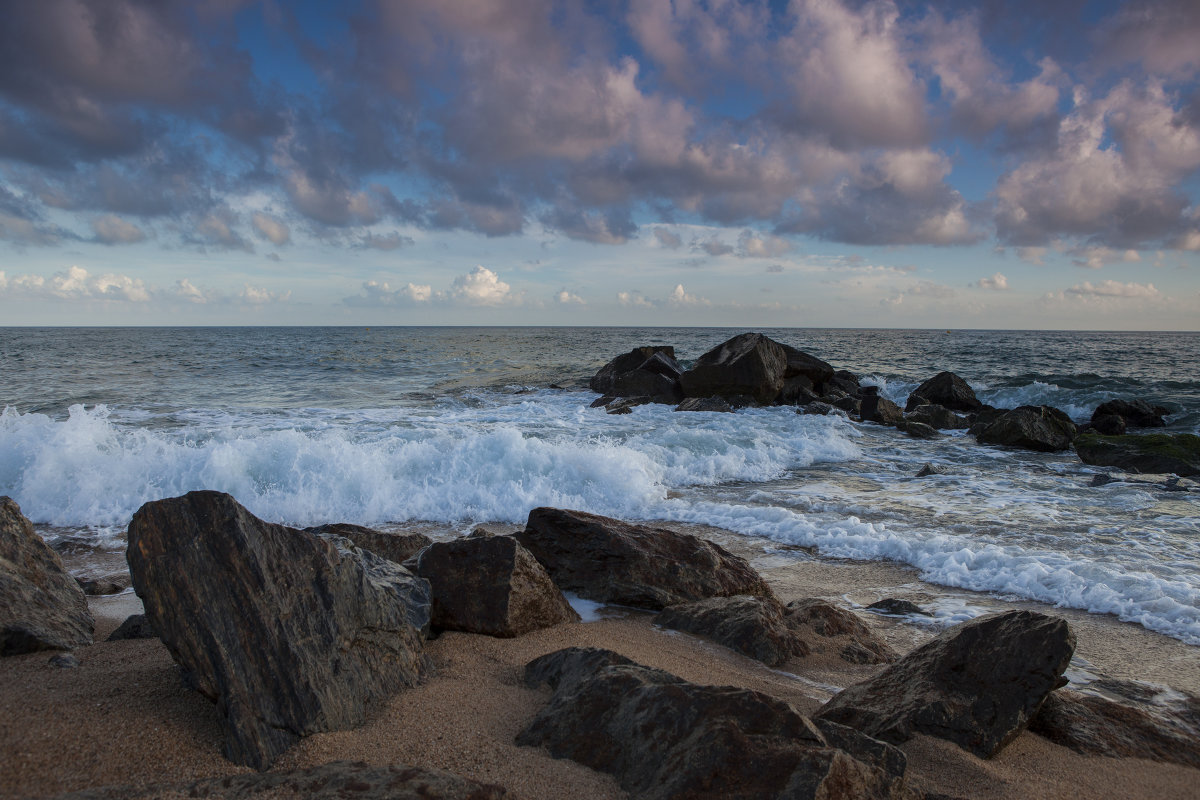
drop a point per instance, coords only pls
(445, 428)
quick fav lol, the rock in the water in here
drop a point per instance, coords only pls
(1108, 425)
(947, 390)
(398, 547)
(41, 605)
(1133, 413)
(843, 381)
(896, 607)
(752, 626)
(1041, 428)
(135, 626)
(874, 407)
(336, 780)
(627, 405)
(705, 404)
(1149, 452)
(917, 430)
(816, 407)
(801, 365)
(977, 685)
(610, 561)
(491, 585)
(749, 364)
(826, 628)
(936, 416)
(665, 738)
(1164, 726)
(290, 633)
(642, 372)
(931, 469)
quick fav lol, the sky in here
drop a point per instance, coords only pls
(812, 163)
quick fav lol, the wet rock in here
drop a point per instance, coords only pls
(336, 780)
(826, 628)
(896, 607)
(1133, 413)
(947, 390)
(1149, 452)
(1108, 425)
(642, 372)
(1164, 726)
(135, 626)
(602, 400)
(64, 660)
(936, 416)
(1041, 428)
(94, 586)
(931, 469)
(801, 366)
(749, 364)
(41, 605)
(627, 405)
(917, 430)
(752, 626)
(851, 405)
(397, 547)
(288, 632)
(705, 404)
(1101, 480)
(797, 391)
(491, 585)
(610, 561)
(662, 737)
(817, 407)
(874, 407)
(843, 381)
(977, 684)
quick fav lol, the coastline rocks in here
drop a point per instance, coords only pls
(491, 585)
(824, 627)
(642, 372)
(895, 607)
(936, 416)
(333, 781)
(610, 561)
(397, 547)
(1131, 413)
(1041, 428)
(1149, 452)
(976, 685)
(663, 737)
(874, 407)
(705, 404)
(288, 632)
(752, 626)
(917, 430)
(41, 605)
(947, 390)
(135, 626)
(749, 364)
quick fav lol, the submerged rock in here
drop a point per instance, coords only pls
(1149, 452)
(752, 626)
(749, 365)
(288, 632)
(610, 561)
(947, 390)
(1041, 428)
(41, 605)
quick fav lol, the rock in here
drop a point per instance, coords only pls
(705, 404)
(397, 547)
(135, 626)
(977, 684)
(752, 626)
(947, 390)
(1148, 452)
(874, 407)
(917, 430)
(843, 381)
(602, 400)
(1134, 413)
(931, 469)
(644, 371)
(899, 608)
(103, 584)
(491, 585)
(64, 660)
(936, 416)
(801, 365)
(1041, 428)
(288, 632)
(816, 407)
(610, 561)
(797, 391)
(336, 780)
(1162, 727)
(41, 605)
(1101, 480)
(1108, 424)
(662, 737)
(748, 364)
(851, 405)
(627, 405)
(816, 621)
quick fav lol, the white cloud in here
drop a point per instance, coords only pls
(480, 287)
(77, 284)
(634, 300)
(568, 298)
(680, 297)
(997, 283)
(257, 296)
(1112, 288)
(754, 245)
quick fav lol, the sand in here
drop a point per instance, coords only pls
(124, 717)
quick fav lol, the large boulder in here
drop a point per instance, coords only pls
(939, 417)
(804, 375)
(398, 547)
(752, 626)
(491, 585)
(977, 685)
(748, 365)
(1134, 413)
(642, 372)
(1150, 452)
(664, 738)
(874, 407)
(1041, 428)
(41, 606)
(825, 628)
(610, 561)
(947, 390)
(288, 632)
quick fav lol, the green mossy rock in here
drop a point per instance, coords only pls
(1152, 452)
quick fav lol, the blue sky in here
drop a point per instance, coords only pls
(808, 163)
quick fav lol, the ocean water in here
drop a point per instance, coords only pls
(454, 426)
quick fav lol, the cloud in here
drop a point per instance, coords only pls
(480, 287)
(775, 268)
(615, 227)
(387, 242)
(271, 228)
(76, 283)
(667, 239)
(565, 297)
(755, 245)
(635, 300)
(679, 297)
(375, 294)
(997, 283)
(111, 229)
(714, 247)
(1160, 35)
(1112, 288)
(258, 296)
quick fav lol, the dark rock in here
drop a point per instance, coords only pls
(843, 381)
(64, 660)
(41, 605)
(797, 391)
(663, 737)
(748, 364)
(491, 585)
(816, 407)
(917, 430)
(977, 684)
(931, 469)
(826, 628)
(1149, 452)
(398, 547)
(627, 405)
(1041, 428)
(936, 416)
(336, 780)
(896, 607)
(1134, 413)
(103, 584)
(289, 632)
(1108, 424)
(874, 407)
(610, 561)
(642, 372)
(752, 626)
(945, 389)
(808, 367)
(1157, 728)
(1101, 480)
(705, 404)
(603, 400)
(851, 405)
(135, 626)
